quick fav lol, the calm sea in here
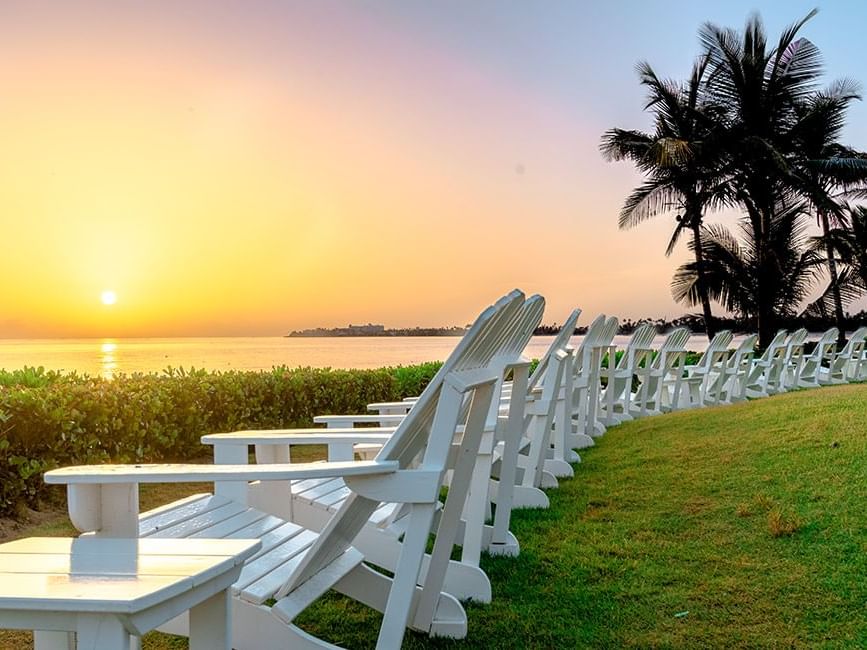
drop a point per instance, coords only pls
(107, 357)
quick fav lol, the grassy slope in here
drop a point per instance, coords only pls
(684, 513)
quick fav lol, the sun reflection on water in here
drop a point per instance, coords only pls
(108, 358)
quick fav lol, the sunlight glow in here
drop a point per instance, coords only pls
(108, 360)
(108, 297)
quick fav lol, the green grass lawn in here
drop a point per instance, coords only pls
(731, 526)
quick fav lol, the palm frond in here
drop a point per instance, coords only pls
(670, 152)
(850, 290)
(649, 199)
(675, 236)
(621, 144)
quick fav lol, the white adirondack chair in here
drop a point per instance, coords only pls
(793, 362)
(617, 396)
(846, 365)
(661, 381)
(313, 502)
(578, 399)
(569, 399)
(535, 466)
(858, 368)
(543, 395)
(583, 398)
(541, 424)
(703, 379)
(545, 417)
(764, 377)
(560, 342)
(822, 357)
(296, 566)
(732, 386)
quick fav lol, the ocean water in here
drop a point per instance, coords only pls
(107, 357)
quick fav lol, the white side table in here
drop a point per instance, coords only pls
(106, 589)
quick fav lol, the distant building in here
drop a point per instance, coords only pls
(378, 330)
(366, 330)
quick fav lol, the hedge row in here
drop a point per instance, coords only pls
(49, 419)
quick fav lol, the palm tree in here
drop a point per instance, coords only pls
(763, 90)
(733, 266)
(681, 160)
(824, 168)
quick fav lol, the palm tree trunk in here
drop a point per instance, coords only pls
(758, 218)
(765, 317)
(701, 285)
(835, 283)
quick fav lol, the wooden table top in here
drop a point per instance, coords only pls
(110, 575)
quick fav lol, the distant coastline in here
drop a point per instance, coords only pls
(376, 330)
(371, 329)
(693, 322)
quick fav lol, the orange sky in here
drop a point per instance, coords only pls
(250, 172)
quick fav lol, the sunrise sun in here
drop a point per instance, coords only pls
(108, 297)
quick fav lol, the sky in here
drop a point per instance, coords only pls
(249, 168)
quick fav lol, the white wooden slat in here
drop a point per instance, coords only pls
(205, 520)
(84, 546)
(72, 593)
(314, 493)
(148, 525)
(110, 565)
(382, 514)
(174, 505)
(285, 531)
(309, 590)
(266, 586)
(333, 500)
(249, 524)
(288, 607)
(264, 526)
(231, 525)
(299, 487)
(262, 577)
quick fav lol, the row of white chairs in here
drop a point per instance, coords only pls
(495, 434)
(665, 382)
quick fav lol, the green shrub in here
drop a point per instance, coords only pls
(411, 380)
(28, 376)
(50, 419)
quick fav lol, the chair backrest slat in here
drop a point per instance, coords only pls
(642, 339)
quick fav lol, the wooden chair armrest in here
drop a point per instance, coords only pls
(390, 408)
(104, 499)
(186, 472)
(343, 421)
(376, 435)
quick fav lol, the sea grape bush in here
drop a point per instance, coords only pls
(411, 380)
(29, 376)
(50, 419)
